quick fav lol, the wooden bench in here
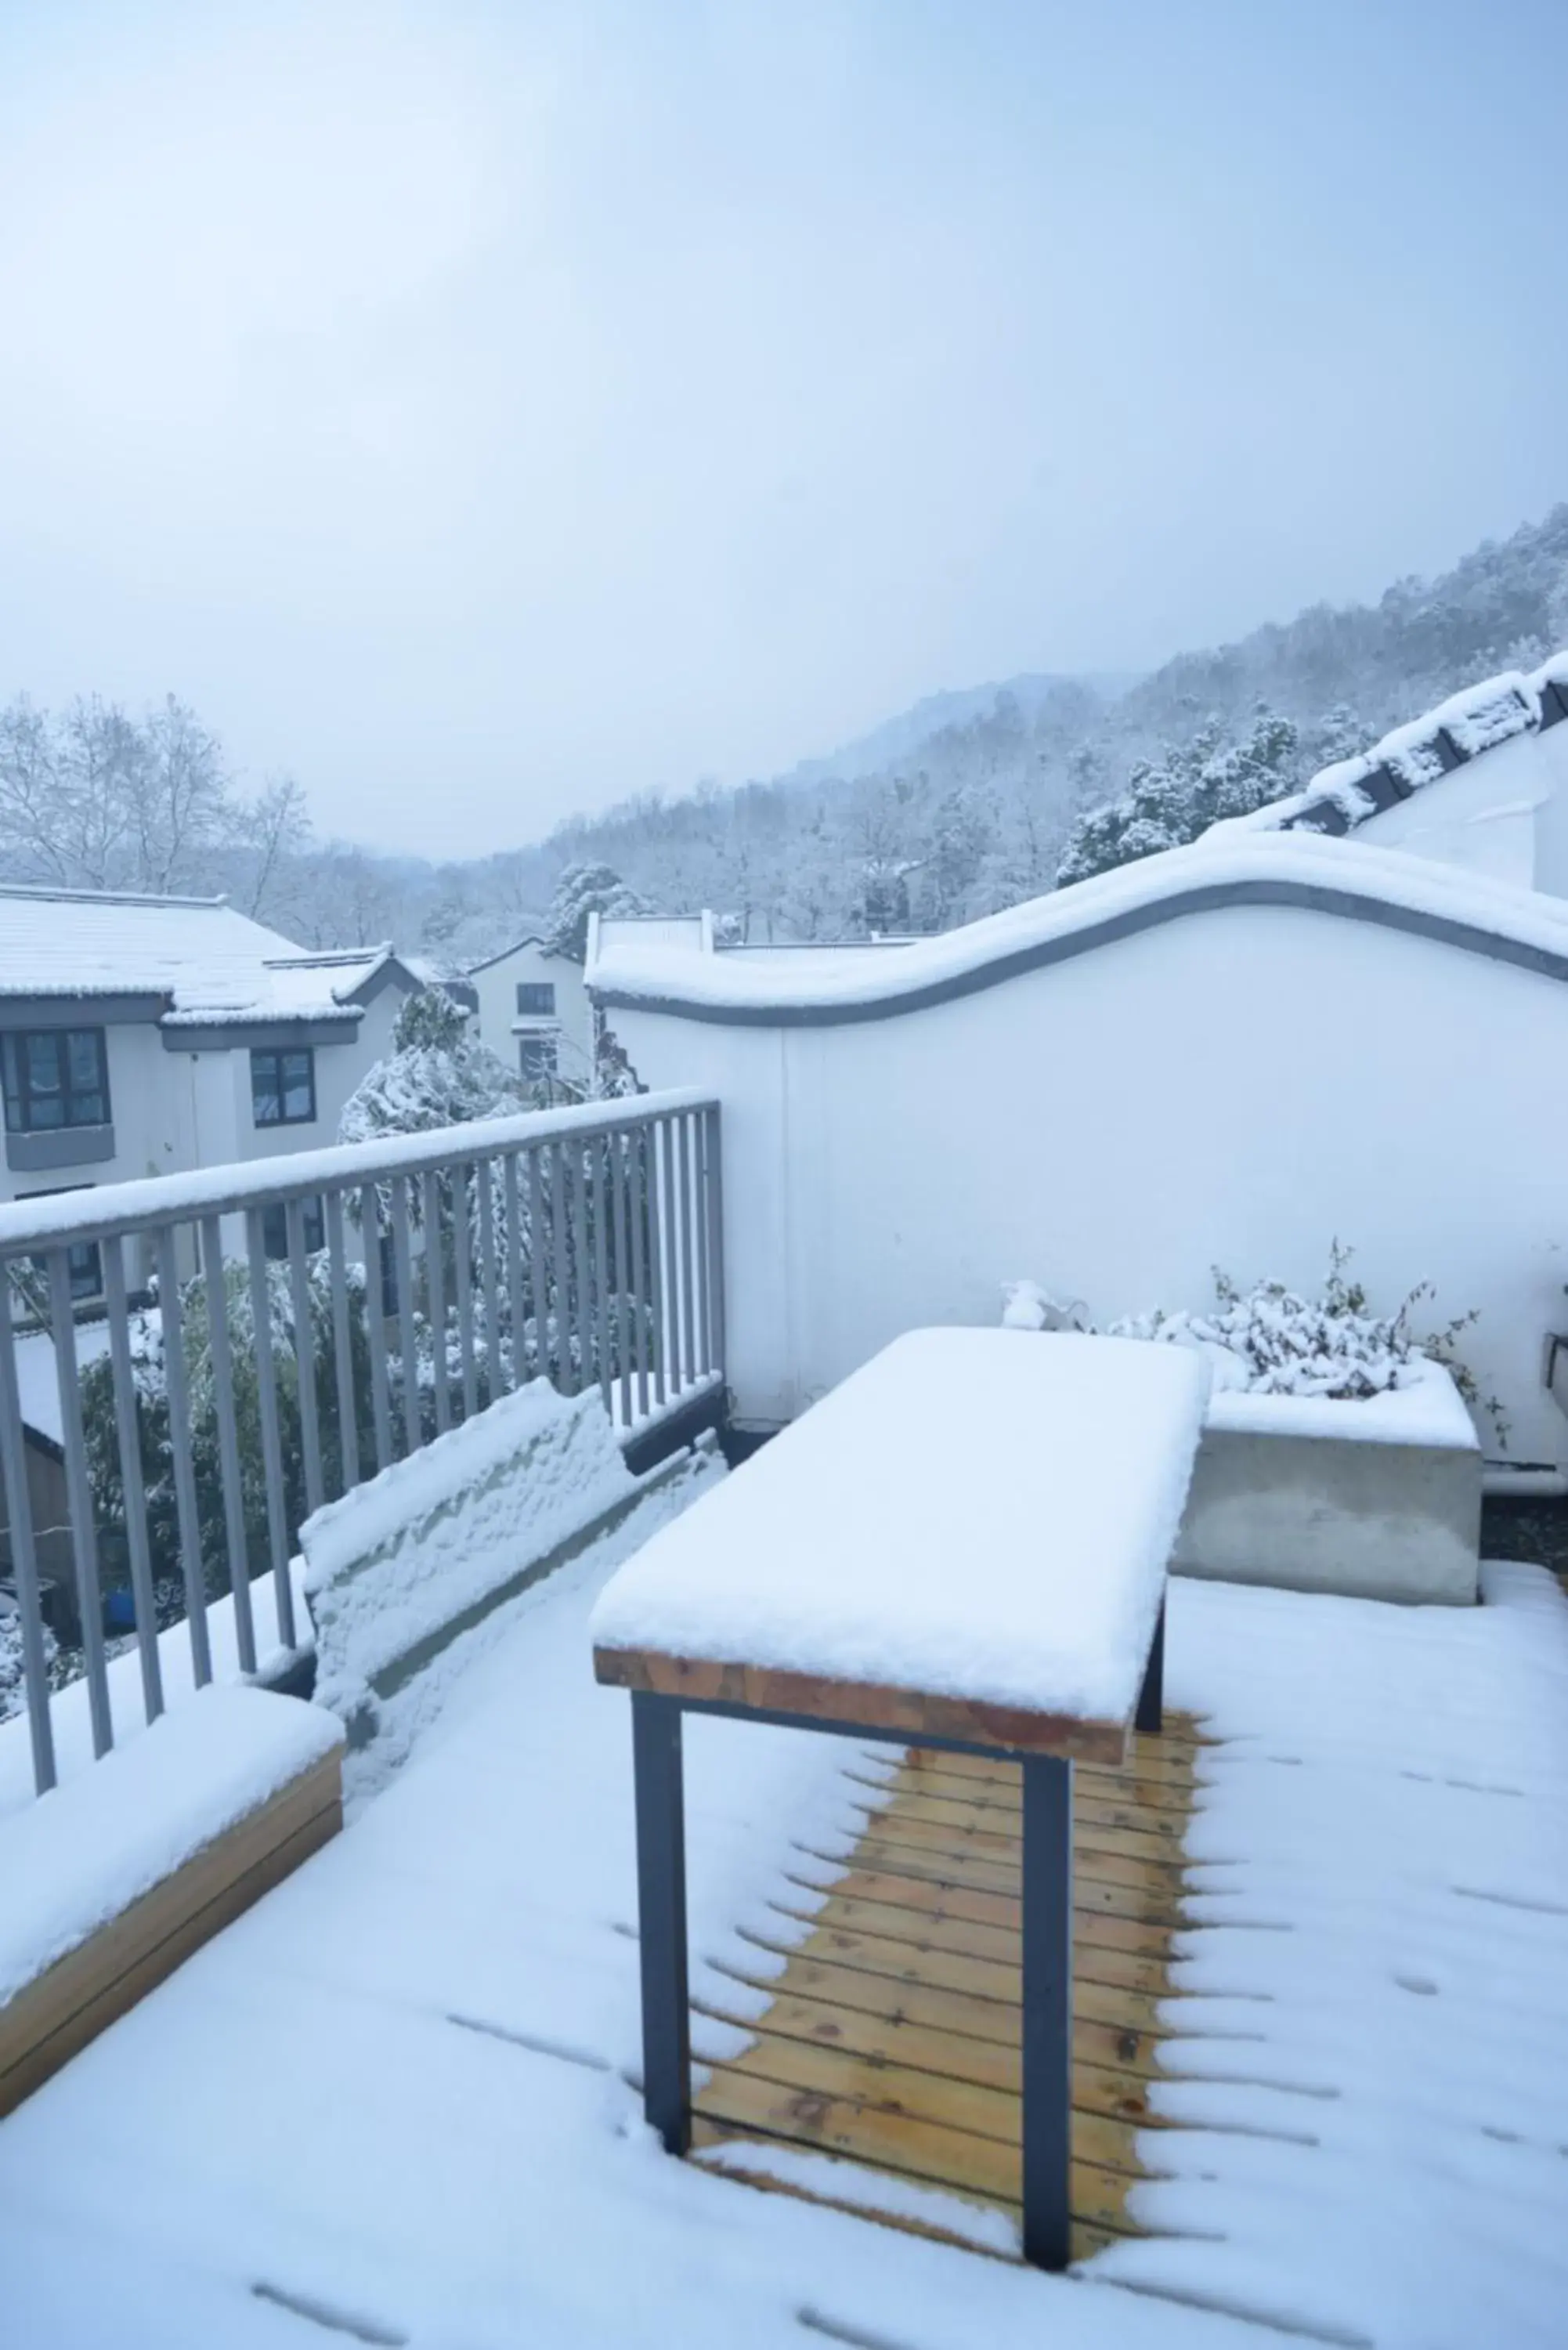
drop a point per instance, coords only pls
(115, 1878)
(964, 1546)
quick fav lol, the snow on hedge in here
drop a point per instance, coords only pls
(1272, 1341)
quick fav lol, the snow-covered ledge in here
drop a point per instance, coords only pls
(1379, 1499)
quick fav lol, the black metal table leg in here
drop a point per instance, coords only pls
(1150, 1714)
(661, 1918)
(1047, 2010)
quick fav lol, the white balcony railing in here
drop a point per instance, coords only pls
(278, 1332)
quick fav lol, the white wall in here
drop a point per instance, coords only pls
(1504, 815)
(500, 1023)
(1238, 1086)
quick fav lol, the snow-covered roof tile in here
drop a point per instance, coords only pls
(1406, 759)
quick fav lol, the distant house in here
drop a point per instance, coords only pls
(146, 1036)
(1479, 782)
(534, 1014)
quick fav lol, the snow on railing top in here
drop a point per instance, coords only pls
(1471, 722)
(94, 1214)
(1238, 867)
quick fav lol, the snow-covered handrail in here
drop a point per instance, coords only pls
(276, 1331)
(97, 1213)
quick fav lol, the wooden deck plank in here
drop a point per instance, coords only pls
(1158, 1903)
(1102, 2052)
(862, 1979)
(891, 2036)
(927, 1896)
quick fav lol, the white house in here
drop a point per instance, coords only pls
(146, 1036)
(1481, 782)
(534, 1012)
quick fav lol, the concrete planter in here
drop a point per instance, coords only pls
(1378, 1499)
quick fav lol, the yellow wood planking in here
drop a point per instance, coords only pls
(892, 2035)
(51, 2018)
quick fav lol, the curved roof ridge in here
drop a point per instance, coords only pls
(1386, 887)
(1454, 731)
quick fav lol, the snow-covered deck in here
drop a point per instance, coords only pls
(393, 2100)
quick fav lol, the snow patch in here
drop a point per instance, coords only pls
(80, 1854)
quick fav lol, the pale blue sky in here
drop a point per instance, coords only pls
(487, 412)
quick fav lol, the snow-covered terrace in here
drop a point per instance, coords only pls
(396, 2103)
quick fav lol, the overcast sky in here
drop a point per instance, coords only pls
(485, 412)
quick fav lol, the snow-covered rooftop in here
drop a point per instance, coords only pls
(1238, 867)
(1463, 727)
(209, 963)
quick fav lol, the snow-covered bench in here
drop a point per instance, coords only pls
(112, 1879)
(964, 1545)
(400, 1570)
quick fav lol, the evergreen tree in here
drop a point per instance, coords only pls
(436, 1075)
(1174, 800)
(582, 890)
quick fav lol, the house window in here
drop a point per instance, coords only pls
(84, 1262)
(55, 1078)
(535, 999)
(282, 1085)
(275, 1228)
(536, 1058)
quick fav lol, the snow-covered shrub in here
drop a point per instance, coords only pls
(436, 1075)
(1272, 1340)
(1026, 1306)
(13, 1683)
(150, 1378)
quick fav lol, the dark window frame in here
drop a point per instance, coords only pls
(275, 1228)
(535, 999)
(83, 1259)
(82, 1103)
(267, 1077)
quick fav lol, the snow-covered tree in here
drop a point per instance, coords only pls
(436, 1075)
(1174, 800)
(582, 890)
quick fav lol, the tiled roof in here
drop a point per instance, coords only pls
(208, 962)
(1463, 727)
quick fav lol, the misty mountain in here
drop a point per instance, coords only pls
(901, 738)
(947, 810)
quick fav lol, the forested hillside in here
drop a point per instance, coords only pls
(959, 807)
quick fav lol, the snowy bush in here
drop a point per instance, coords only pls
(1272, 1340)
(13, 1689)
(150, 1379)
(435, 1075)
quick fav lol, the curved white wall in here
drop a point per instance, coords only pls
(1236, 1086)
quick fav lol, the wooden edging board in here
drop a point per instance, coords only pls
(51, 2018)
(864, 1705)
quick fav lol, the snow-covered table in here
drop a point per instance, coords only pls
(964, 1545)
